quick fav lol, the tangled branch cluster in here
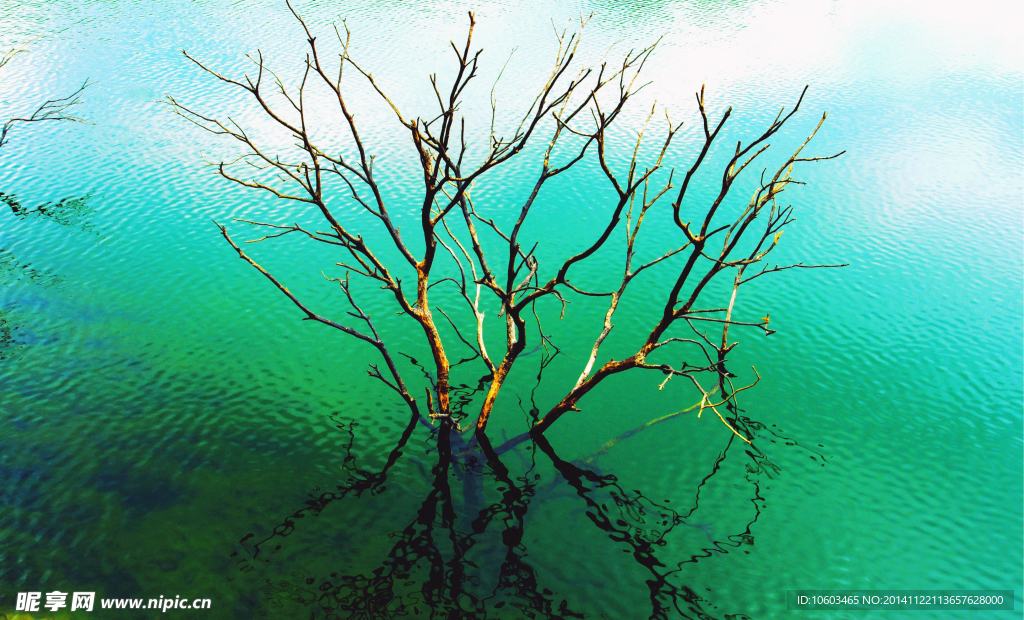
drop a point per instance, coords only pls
(575, 109)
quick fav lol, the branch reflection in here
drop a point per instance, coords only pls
(460, 555)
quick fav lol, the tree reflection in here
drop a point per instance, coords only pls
(72, 211)
(437, 565)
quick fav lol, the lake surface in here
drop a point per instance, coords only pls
(170, 427)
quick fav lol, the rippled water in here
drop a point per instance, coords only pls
(164, 410)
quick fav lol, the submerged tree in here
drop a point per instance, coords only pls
(494, 266)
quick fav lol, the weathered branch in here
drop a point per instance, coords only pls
(569, 121)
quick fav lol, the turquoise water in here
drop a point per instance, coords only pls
(164, 410)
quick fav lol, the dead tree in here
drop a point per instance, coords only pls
(574, 108)
(50, 110)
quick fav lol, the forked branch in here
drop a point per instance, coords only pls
(488, 260)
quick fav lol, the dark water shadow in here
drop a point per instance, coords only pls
(72, 212)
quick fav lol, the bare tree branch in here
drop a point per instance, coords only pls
(56, 109)
(490, 263)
